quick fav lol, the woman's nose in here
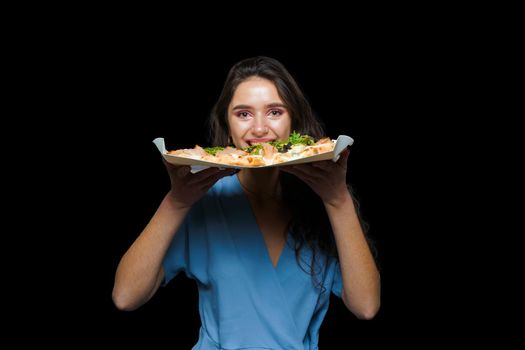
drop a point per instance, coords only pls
(260, 127)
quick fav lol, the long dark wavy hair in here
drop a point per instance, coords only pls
(309, 225)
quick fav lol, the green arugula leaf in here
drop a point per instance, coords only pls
(213, 150)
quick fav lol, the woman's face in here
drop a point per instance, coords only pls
(257, 114)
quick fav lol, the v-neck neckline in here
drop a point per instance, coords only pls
(259, 231)
(268, 287)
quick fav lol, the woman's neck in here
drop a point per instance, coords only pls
(261, 183)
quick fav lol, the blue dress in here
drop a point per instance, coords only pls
(244, 301)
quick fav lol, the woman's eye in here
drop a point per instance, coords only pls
(275, 113)
(243, 115)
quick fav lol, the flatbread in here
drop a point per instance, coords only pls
(201, 160)
(267, 155)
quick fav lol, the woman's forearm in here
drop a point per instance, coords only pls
(361, 282)
(139, 272)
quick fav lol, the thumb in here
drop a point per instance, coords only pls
(343, 159)
(183, 171)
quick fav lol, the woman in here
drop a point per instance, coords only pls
(265, 246)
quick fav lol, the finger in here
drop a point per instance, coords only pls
(168, 165)
(286, 169)
(324, 165)
(344, 158)
(183, 171)
(310, 171)
(304, 178)
(290, 169)
(165, 161)
(301, 174)
(216, 176)
(201, 175)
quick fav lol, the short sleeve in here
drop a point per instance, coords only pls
(337, 283)
(176, 259)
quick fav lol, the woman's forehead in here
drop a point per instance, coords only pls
(256, 91)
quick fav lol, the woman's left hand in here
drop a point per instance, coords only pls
(326, 178)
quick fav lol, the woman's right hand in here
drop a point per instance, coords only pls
(187, 188)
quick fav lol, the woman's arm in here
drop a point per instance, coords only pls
(139, 273)
(361, 282)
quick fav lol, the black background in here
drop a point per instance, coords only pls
(119, 89)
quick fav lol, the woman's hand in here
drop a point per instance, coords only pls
(326, 178)
(187, 188)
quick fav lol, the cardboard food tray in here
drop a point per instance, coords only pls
(342, 142)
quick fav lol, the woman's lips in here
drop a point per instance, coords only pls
(255, 141)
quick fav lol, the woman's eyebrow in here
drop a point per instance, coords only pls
(275, 104)
(242, 107)
(269, 105)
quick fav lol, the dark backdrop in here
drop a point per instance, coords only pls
(121, 92)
